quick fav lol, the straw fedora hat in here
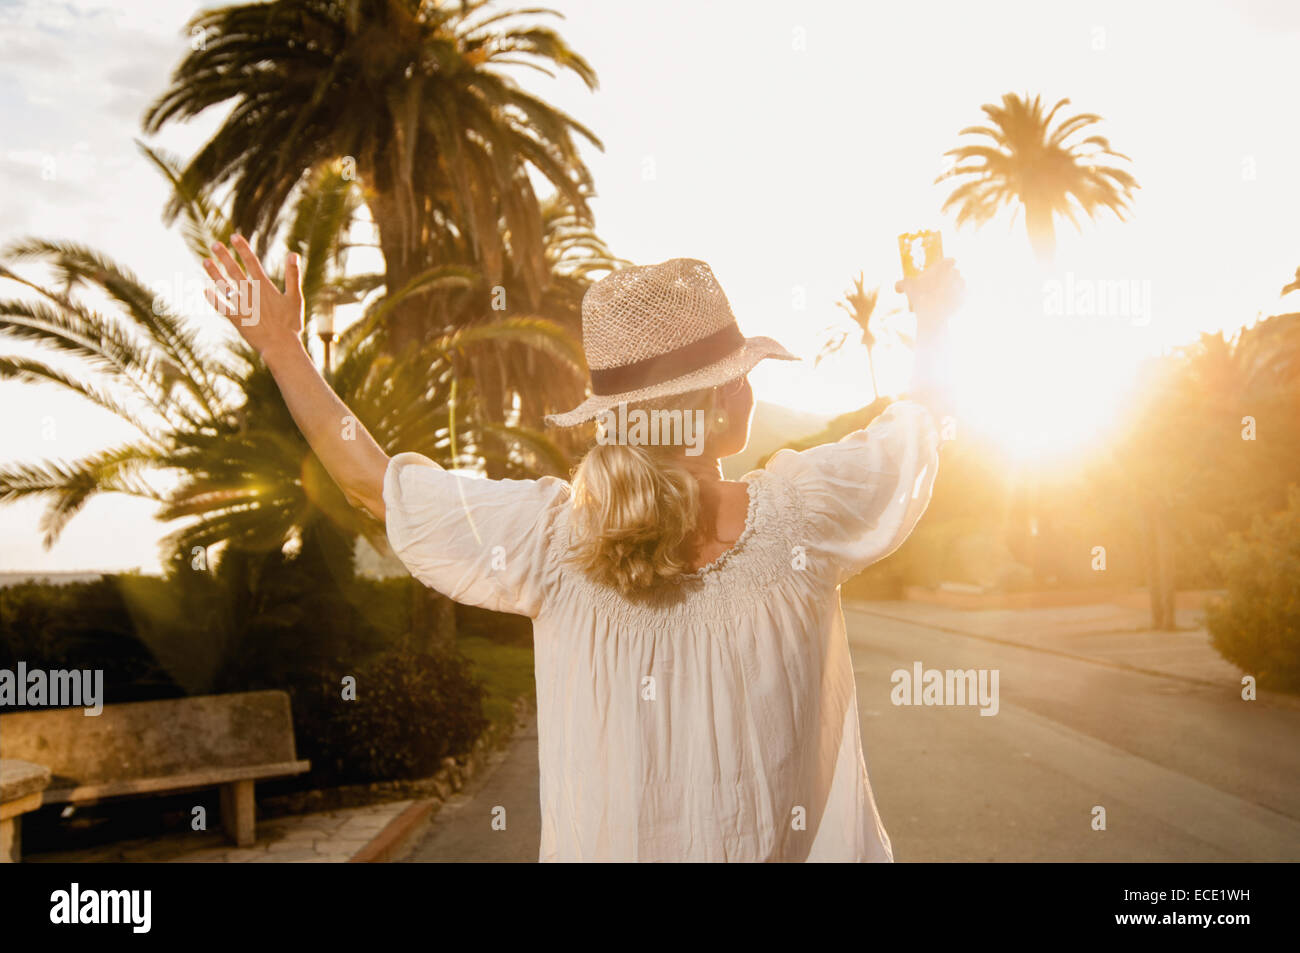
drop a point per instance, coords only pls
(657, 330)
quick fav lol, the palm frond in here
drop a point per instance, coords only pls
(321, 219)
(32, 371)
(71, 485)
(76, 264)
(205, 223)
(538, 333)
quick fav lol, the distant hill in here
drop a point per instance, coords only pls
(773, 427)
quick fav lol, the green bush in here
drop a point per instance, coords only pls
(268, 621)
(501, 627)
(83, 625)
(412, 709)
(1257, 626)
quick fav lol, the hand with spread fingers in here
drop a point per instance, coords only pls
(271, 321)
(266, 317)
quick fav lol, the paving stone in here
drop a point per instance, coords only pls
(352, 843)
(211, 853)
(301, 837)
(242, 855)
(284, 856)
(338, 858)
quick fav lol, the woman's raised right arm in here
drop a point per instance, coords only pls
(933, 296)
(271, 321)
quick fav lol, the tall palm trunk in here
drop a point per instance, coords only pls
(1042, 233)
(399, 243)
(433, 615)
(871, 365)
(433, 619)
(1160, 568)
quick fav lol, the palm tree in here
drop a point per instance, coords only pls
(1020, 159)
(522, 363)
(521, 378)
(519, 382)
(860, 305)
(209, 419)
(413, 93)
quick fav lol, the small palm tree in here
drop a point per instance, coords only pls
(860, 304)
(415, 94)
(1022, 160)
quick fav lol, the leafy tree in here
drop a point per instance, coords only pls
(1212, 440)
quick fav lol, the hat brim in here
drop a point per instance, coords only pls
(736, 364)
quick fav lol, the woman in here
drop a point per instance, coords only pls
(695, 694)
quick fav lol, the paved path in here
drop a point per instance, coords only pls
(1185, 771)
(326, 837)
(1093, 713)
(463, 831)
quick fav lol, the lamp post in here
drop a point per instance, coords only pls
(325, 331)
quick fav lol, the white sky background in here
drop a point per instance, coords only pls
(786, 144)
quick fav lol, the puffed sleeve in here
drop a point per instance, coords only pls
(477, 541)
(864, 493)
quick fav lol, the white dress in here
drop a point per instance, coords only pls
(720, 722)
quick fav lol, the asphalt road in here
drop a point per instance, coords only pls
(1184, 771)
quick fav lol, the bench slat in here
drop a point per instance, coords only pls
(174, 782)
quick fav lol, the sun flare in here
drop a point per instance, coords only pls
(1040, 388)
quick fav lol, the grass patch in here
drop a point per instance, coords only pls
(505, 670)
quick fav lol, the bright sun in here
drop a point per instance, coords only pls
(1043, 361)
(1040, 390)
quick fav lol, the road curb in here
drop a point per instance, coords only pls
(385, 845)
(395, 835)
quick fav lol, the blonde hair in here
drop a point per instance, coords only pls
(635, 505)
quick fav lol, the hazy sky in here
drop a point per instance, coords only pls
(787, 145)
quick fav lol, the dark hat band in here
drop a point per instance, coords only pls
(670, 365)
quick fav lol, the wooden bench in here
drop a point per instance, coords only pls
(181, 744)
(21, 784)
